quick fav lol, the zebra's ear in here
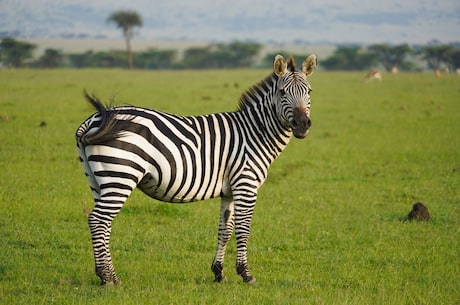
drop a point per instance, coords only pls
(280, 65)
(309, 65)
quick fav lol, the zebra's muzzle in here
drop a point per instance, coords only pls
(300, 123)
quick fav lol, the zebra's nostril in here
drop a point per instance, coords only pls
(303, 124)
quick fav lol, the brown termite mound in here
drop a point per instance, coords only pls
(419, 212)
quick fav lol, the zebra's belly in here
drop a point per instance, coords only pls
(181, 190)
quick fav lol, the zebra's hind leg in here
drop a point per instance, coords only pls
(100, 228)
(107, 206)
(226, 223)
(243, 218)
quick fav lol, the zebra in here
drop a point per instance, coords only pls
(180, 159)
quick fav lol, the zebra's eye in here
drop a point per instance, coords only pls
(282, 91)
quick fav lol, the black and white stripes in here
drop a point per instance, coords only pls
(183, 159)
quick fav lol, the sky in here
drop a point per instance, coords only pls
(331, 21)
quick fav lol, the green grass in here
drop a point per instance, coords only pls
(327, 228)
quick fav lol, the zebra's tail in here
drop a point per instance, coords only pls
(108, 127)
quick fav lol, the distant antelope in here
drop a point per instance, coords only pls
(437, 73)
(373, 74)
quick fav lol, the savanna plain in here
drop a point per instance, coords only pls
(328, 227)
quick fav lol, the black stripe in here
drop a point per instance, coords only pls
(176, 120)
(116, 174)
(115, 194)
(223, 137)
(212, 146)
(115, 160)
(146, 133)
(138, 151)
(108, 207)
(115, 185)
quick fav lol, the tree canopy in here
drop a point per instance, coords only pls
(127, 20)
(392, 56)
(438, 55)
(232, 55)
(235, 54)
(14, 53)
(51, 59)
(349, 58)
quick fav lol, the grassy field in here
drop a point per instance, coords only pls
(327, 228)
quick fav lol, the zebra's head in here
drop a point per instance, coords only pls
(293, 94)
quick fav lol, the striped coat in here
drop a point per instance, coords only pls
(183, 159)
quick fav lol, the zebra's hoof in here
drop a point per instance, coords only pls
(111, 283)
(250, 280)
(220, 279)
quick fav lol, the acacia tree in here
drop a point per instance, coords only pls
(50, 59)
(435, 56)
(453, 58)
(349, 58)
(391, 56)
(14, 53)
(235, 54)
(126, 20)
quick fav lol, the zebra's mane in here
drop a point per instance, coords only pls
(256, 93)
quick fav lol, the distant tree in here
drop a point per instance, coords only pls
(101, 59)
(127, 20)
(50, 59)
(197, 58)
(436, 55)
(81, 60)
(267, 61)
(392, 56)
(236, 54)
(14, 53)
(349, 58)
(232, 55)
(109, 59)
(155, 59)
(452, 58)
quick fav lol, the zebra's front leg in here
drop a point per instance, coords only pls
(243, 217)
(100, 232)
(226, 223)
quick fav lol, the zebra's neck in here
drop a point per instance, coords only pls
(257, 94)
(259, 111)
